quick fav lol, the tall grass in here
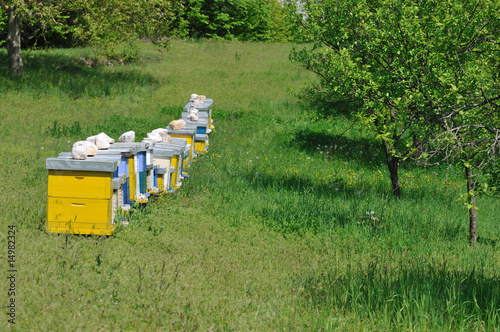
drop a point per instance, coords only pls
(287, 222)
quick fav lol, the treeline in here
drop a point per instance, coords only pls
(87, 22)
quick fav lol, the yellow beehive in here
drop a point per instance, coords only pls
(188, 134)
(117, 195)
(80, 196)
(200, 145)
(167, 156)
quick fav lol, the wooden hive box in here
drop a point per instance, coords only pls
(206, 108)
(80, 196)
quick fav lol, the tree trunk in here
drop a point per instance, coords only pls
(393, 165)
(14, 45)
(472, 208)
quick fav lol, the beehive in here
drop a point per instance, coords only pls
(185, 150)
(200, 143)
(206, 109)
(137, 170)
(202, 126)
(118, 201)
(187, 133)
(80, 196)
(168, 156)
(127, 163)
(152, 188)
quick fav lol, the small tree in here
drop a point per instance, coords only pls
(469, 138)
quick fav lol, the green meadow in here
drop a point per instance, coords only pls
(286, 223)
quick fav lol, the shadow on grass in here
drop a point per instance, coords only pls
(308, 205)
(297, 203)
(362, 150)
(408, 293)
(52, 74)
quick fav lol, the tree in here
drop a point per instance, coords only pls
(245, 20)
(396, 58)
(422, 71)
(13, 38)
(92, 22)
(469, 137)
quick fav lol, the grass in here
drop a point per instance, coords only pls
(271, 231)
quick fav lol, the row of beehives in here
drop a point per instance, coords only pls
(89, 192)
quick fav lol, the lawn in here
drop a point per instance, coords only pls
(286, 223)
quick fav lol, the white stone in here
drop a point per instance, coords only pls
(177, 124)
(79, 152)
(128, 136)
(91, 149)
(193, 117)
(109, 139)
(100, 141)
(163, 132)
(155, 137)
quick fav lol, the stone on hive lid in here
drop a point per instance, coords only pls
(163, 132)
(128, 136)
(177, 124)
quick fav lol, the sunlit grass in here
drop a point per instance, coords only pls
(274, 229)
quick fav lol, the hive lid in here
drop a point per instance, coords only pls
(117, 182)
(92, 165)
(207, 105)
(161, 170)
(177, 147)
(124, 151)
(138, 146)
(116, 156)
(200, 137)
(169, 146)
(178, 140)
(158, 152)
(202, 122)
(187, 130)
(202, 116)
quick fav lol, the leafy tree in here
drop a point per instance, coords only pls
(246, 20)
(103, 24)
(397, 58)
(406, 62)
(470, 137)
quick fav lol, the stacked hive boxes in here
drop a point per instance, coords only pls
(204, 125)
(87, 196)
(80, 195)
